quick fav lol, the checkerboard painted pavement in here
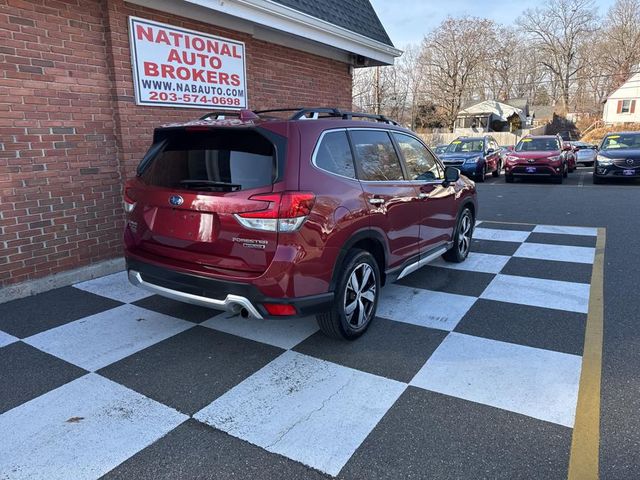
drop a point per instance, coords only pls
(470, 370)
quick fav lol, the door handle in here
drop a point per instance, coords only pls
(376, 201)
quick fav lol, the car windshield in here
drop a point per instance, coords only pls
(466, 146)
(622, 141)
(538, 145)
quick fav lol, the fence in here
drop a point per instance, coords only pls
(503, 138)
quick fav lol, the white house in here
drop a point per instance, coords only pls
(623, 105)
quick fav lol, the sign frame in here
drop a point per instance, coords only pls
(137, 79)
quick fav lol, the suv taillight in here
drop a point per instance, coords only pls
(129, 203)
(286, 212)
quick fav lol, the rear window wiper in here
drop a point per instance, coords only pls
(209, 183)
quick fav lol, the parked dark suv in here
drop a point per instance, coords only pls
(474, 156)
(304, 215)
(618, 157)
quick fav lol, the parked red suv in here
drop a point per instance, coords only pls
(540, 156)
(308, 214)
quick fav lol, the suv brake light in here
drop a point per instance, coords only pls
(286, 212)
(129, 203)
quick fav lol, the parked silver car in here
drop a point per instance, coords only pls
(585, 153)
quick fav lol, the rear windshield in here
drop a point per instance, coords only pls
(464, 146)
(622, 141)
(538, 145)
(209, 160)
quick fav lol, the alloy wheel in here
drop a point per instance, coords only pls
(360, 296)
(464, 236)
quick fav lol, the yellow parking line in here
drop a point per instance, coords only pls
(585, 444)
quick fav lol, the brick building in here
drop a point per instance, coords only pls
(72, 127)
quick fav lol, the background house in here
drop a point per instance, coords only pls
(623, 105)
(490, 116)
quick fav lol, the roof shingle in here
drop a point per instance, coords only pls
(357, 16)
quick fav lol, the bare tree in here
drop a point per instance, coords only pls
(557, 30)
(513, 69)
(452, 56)
(622, 36)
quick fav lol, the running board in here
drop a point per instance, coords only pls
(422, 262)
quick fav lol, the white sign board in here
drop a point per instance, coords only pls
(175, 67)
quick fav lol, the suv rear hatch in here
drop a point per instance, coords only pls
(191, 185)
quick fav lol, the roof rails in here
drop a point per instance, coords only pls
(298, 114)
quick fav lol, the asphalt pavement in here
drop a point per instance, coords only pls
(613, 206)
(469, 371)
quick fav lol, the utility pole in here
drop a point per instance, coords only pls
(377, 90)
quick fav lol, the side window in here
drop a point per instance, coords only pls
(334, 154)
(420, 163)
(376, 156)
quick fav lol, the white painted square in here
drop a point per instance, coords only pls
(6, 339)
(423, 307)
(283, 333)
(500, 235)
(115, 286)
(538, 383)
(538, 292)
(306, 409)
(98, 340)
(476, 262)
(587, 231)
(80, 430)
(558, 253)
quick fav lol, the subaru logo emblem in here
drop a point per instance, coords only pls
(629, 161)
(176, 200)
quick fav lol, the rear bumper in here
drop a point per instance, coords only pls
(219, 294)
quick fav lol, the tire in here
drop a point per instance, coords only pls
(461, 238)
(496, 173)
(480, 178)
(565, 173)
(508, 178)
(337, 323)
(597, 180)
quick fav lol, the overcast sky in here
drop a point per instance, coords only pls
(406, 21)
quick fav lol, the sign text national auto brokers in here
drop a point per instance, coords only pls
(182, 68)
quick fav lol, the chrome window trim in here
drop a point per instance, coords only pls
(377, 182)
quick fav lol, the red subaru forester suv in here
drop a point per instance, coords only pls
(272, 216)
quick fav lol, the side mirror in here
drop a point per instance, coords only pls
(490, 151)
(451, 175)
(567, 147)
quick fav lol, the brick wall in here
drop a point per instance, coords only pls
(70, 132)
